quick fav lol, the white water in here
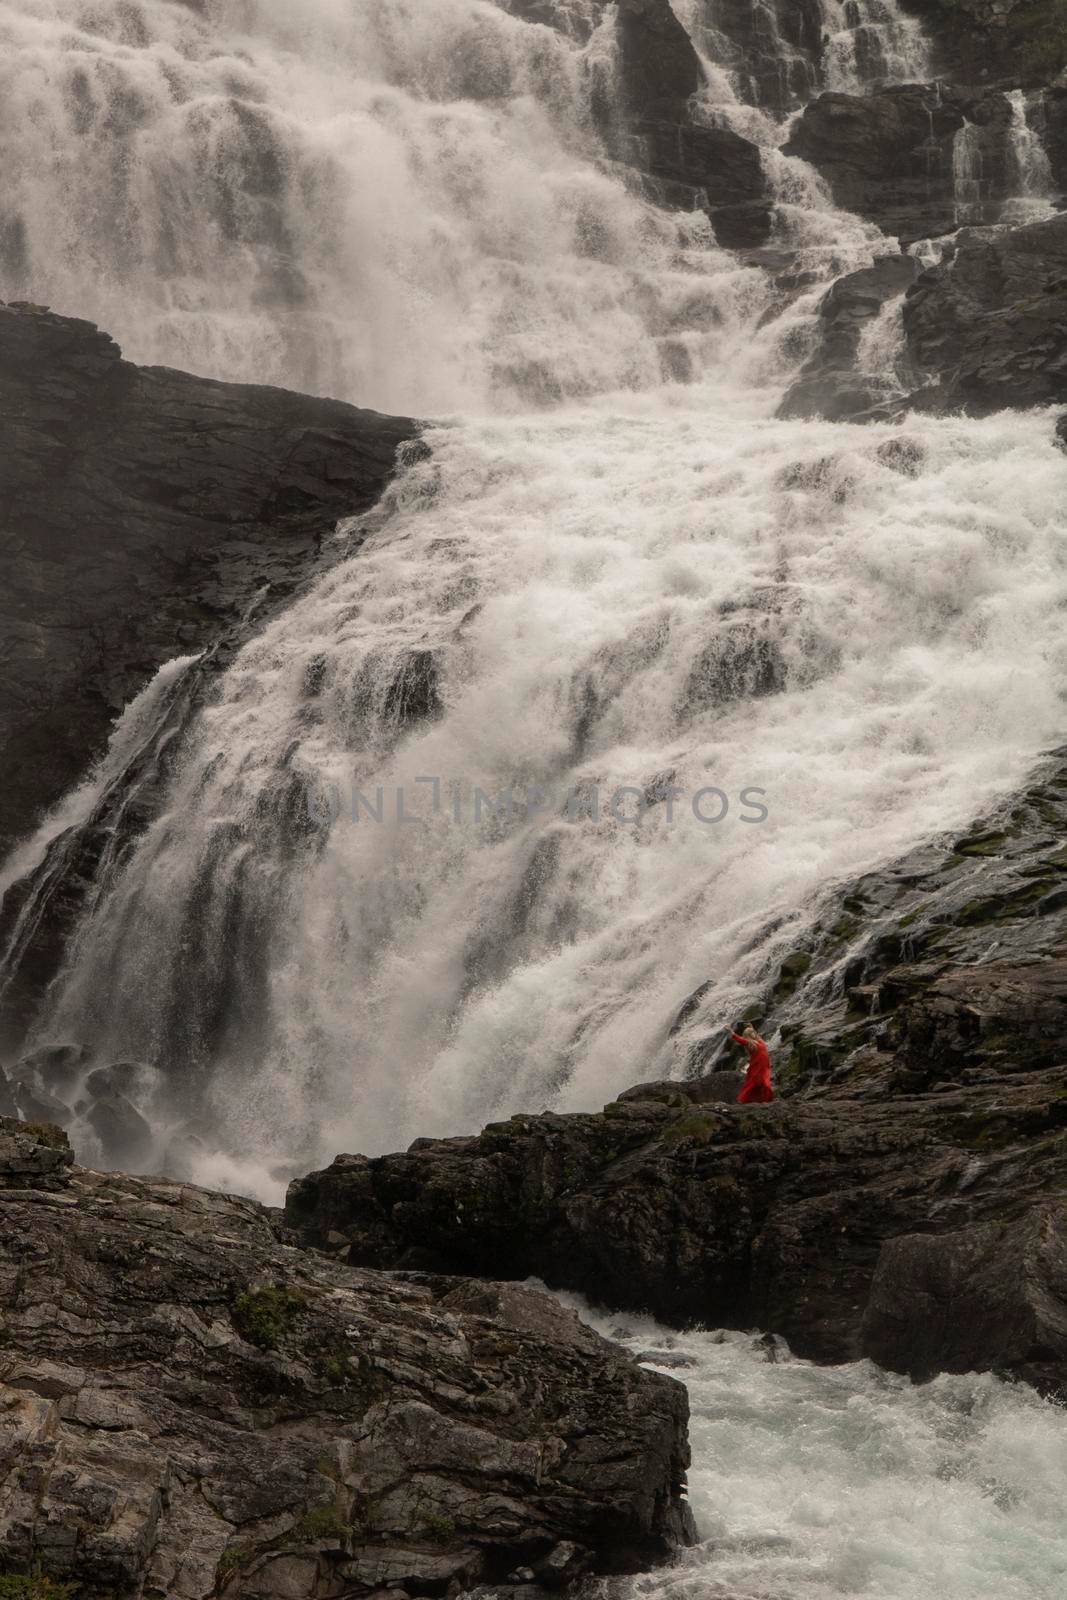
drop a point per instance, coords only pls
(814, 1483)
(383, 201)
(134, 725)
(658, 585)
(583, 577)
(968, 173)
(871, 43)
(1032, 201)
(881, 350)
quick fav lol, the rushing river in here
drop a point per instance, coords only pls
(765, 655)
(820, 1483)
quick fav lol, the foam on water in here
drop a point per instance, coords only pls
(392, 203)
(867, 624)
(816, 1483)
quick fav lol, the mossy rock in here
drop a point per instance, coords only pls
(981, 844)
(33, 1586)
(699, 1126)
(266, 1316)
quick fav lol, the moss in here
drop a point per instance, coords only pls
(697, 1125)
(437, 1527)
(1001, 907)
(265, 1316)
(981, 844)
(47, 1133)
(232, 1559)
(323, 1523)
(32, 1586)
(913, 915)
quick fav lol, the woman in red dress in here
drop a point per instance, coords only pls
(757, 1084)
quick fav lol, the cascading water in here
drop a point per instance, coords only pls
(869, 43)
(819, 1484)
(598, 705)
(1035, 186)
(673, 593)
(378, 201)
(662, 589)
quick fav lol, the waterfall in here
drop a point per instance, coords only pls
(968, 174)
(868, 43)
(383, 202)
(1035, 186)
(659, 595)
(882, 347)
(624, 673)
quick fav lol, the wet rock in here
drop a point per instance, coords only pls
(832, 383)
(917, 1042)
(978, 41)
(987, 328)
(889, 156)
(744, 661)
(125, 1136)
(33, 1155)
(990, 1295)
(777, 49)
(649, 124)
(216, 1410)
(144, 510)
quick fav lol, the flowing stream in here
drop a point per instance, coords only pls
(620, 680)
(623, 676)
(815, 1483)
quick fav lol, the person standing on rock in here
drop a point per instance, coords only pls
(756, 1088)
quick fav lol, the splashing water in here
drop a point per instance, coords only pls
(1035, 185)
(390, 203)
(814, 1483)
(676, 594)
(870, 43)
(659, 589)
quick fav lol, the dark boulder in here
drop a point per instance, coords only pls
(833, 382)
(991, 1295)
(143, 511)
(921, 1125)
(215, 1411)
(650, 124)
(989, 41)
(890, 156)
(988, 328)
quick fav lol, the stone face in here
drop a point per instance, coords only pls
(188, 1406)
(143, 511)
(921, 1125)
(989, 327)
(981, 41)
(989, 1295)
(832, 383)
(889, 155)
(648, 123)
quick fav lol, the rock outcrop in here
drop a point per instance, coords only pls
(988, 327)
(143, 512)
(190, 1408)
(904, 1197)
(649, 123)
(978, 41)
(892, 157)
(835, 382)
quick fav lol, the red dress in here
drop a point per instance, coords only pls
(757, 1084)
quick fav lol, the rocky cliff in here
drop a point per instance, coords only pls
(190, 1408)
(904, 1197)
(143, 513)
